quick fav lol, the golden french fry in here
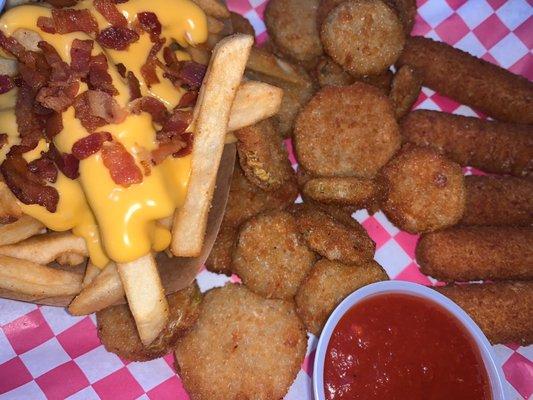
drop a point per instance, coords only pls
(214, 8)
(254, 102)
(21, 229)
(146, 296)
(91, 272)
(28, 278)
(68, 258)
(211, 120)
(264, 62)
(105, 290)
(9, 208)
(43, 249)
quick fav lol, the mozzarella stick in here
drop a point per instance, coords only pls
(503, 310)
(470, 80)
(474, 253)
(498, 201)
(491, 146)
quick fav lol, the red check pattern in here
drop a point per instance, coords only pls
(47, 354)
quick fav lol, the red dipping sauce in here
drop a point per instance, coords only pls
(398, 346)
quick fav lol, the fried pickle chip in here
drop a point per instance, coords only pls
(262, 155)
(346, 131)
(422, 191)
(342, 191)
(324, 8)
(241, 24)
(246, 200)
(406, 10)
(243, 347)
(333, 239)
(328, 283)
(219, 260)
(329, 73)
(405, 89)
(292, 26)
(117, 331)
(364, 36)
(271, 257)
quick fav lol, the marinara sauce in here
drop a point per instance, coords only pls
(397, 346)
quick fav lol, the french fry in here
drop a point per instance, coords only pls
(213, 8)
(146, 296)
(105, 290)
(43, 249)
(69, 258)
(91, 272)
(9, 208)
(28, 278)
(211, 120)
(264, 62)
(21, 229)
(254, 102)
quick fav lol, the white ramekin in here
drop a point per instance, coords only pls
(494, 372)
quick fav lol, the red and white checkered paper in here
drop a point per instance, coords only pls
(46, 353)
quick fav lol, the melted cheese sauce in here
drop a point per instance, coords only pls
(117, 223)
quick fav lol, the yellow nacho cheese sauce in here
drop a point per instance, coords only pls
(117, 223)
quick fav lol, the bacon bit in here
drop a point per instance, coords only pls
(134, 85)
(192, 74)
(150, 24)
(188, 99)
(54, 125)
(110, 12)
(117, 38)
(6, 84)
(80, 55)
(99, 78)
(58, 98)
(33, 78)
(30, 126)
(62, 3)
(170, 57)
(189, 140)
(120, 1)
(121, 164)
(12, 46)
(166, 149)
(44, 168)
(69, 20)
(95, 109)
(148, 69)
(121, 69)
(176, 124)
(67, 163)
(152, 106)
(90, 145)
(3, 140)
(27, 187)
(60, 71)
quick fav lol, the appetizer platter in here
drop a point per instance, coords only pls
(193, 193)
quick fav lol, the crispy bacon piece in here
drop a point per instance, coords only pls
(3, 140)
(69, 20)
(65, 162)
(6, 84)
(148, 69)
(62, 3)
(188, 137)
(121, 69)
(166, 149)
(121, 164)
(58, 98)
(134, 86)
(117, 38)
(188, 99)
(192, 74)
(80, 55)
(99, 78)
(150, 24)
(44, 168)
(32, 77)
(176, 124)
(60, 70)
(152, 106)
(30, 125)
(12, 46)
(54, 125)
(27, 187)
(95, 109)
(90, 145)
(110, 12)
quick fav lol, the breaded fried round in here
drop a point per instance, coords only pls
(329, 73)
(406, 10)
(292, 26)
(219, 260)
(263, 156)
(243, 347)
(404, 91)
(364, 36)
(342, 191)
(246, 200)
(498, 201)
(241, 24)
(346, 131)
(118, 333)
(421, 190)
(471, 253)
(332, 238)
(324, 8)
(271, 257)
(328, 283)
